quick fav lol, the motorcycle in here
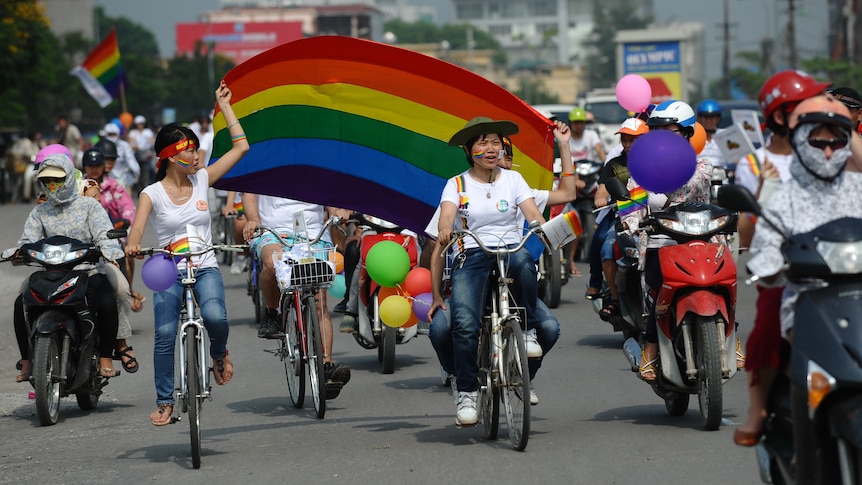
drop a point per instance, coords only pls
(372, 332)
(695, 307)
(588, 172)
(552, 266)
(63, 356)
(812, 433)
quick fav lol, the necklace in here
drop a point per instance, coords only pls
(491, 183)
(177, 193)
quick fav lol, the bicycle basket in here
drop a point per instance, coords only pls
(314, 270)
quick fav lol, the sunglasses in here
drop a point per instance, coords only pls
(833, 143)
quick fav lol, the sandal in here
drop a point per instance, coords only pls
(137, 301)
(130, 365)
(592, 296)
(647, 371)
(740, 357)
(162, 415)
(223, 366)
(575, 272)
(609, 310)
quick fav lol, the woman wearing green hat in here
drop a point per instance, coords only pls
(485, 199)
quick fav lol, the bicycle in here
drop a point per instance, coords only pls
(194, 385)
(253, 287)
(503, 370)
(301, 344)
(223, 234)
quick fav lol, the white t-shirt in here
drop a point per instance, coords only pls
(585, 148)
(278, 213)
(491, 210)
(191, 219)
(746, 178)
(142, 140)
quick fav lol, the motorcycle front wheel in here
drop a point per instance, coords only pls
(46, 363)
(708, 360)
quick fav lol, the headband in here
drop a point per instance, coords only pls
(176, 149)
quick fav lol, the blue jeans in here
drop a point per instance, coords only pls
(467, 303)
(547, 333)
(602, 248)
(209, 290)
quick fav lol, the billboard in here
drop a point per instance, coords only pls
(659, 63)
(238, 41)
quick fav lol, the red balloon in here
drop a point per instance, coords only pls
(418, 281)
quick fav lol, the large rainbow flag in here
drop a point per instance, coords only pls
(364, 126)
(101, 72)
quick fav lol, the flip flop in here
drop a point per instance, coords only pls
(219, 368)
(130, 365)
(163, 409)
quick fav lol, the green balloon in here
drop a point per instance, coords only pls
(387, 263)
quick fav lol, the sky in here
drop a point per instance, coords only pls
(750, 19)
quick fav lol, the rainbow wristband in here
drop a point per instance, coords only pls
(237, 138)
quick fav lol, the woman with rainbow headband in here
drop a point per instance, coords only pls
(178, 202)
(485, 199)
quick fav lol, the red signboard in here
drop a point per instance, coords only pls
(236, 40)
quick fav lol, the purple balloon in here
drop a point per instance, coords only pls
(661, 161)
(421, 306)
(159, 272)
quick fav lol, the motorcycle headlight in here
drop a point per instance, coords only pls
(842, 258)
(55, 255)
(584, 169)
(695, 223)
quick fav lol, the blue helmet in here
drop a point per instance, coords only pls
(709, 107)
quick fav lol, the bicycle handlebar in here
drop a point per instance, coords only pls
(236, 248)
(535, 228)
(259, 230)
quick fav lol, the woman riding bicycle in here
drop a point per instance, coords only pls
(178, 202)
(485, 199)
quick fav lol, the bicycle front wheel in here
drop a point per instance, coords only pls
(314, 349)
(193, 392)
(291, 355)
(516, 376)
(489, 393)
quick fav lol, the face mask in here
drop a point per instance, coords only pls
(52, 187)
(814, 159)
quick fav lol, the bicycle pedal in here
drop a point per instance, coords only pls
(176, 419)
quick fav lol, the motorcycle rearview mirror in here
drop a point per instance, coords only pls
(737, 199)
(117, 233)
(617, 189)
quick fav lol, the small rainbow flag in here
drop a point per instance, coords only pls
(101, 72)
(179, 246)
(238, 208)
(637, 200)
(753, 163)
(574, 222)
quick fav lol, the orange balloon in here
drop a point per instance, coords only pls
(338, 259)
(126, 119)
(413, 320)
(698, 140)
(385, 292)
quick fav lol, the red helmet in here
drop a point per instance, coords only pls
(787, 87)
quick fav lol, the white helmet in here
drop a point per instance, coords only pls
(673, 112)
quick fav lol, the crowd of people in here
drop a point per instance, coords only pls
(812, 152)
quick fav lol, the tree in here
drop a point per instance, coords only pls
(601, 61)
(31, 66)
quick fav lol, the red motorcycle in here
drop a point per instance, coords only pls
(695, 308)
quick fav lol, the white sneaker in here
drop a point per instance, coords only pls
(534, 398)
(534, 350)
(468, 412)
(238, 265)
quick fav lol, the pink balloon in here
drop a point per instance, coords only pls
(49, 150)
(633, 93)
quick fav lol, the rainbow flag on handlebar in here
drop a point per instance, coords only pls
(179, 246)
(638, 199)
